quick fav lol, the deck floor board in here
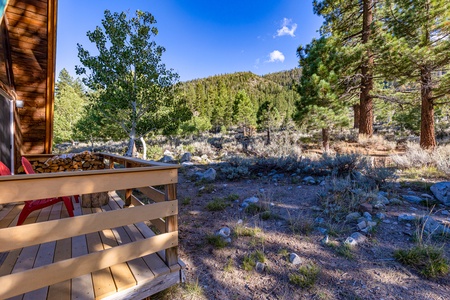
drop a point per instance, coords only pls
(115, 280)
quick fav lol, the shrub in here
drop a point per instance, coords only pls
(428, 260)
(306, 276)
(343, 164)
(217, 204)
(216, 240)
(241, 230)
(250, 260)
(154, 152)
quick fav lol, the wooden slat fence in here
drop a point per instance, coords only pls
(162, 208)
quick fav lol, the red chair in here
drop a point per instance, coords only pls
(4, 170)
(33, 205)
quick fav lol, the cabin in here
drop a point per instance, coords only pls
(125, 248)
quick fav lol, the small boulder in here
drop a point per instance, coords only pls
(309, 180)
(366, 207)
(166, 159)
(352, 217)
(412, 199)
(260, 267)
(186, 157)
(407, 217)
(208, 175)
(441, 191)
(295, 259)
(224, 232)
(361, 225)
(355, 239)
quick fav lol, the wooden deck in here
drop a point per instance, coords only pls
(100, 253)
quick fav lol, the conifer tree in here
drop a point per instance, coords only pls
(319, 106)
(70, 100)
(244, 113)
(349, 23)
(415, 46)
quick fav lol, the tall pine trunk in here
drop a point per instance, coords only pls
(427, 135)
(356, 115)
(366, 103)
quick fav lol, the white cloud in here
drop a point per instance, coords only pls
(276, 55)
(285, 30)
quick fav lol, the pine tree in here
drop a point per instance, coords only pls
(69, 106)
(319, 106)
(349, 23)
(244, 113)
(415, 45)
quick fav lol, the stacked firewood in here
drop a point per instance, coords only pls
(68, 162)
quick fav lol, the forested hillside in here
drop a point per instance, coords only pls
(216, 101)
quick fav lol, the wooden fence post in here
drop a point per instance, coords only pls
(128, 192)
(171, 226)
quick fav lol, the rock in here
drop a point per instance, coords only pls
(350, 241)
(380, 216)
(432, 226)
(382, 193)
(309, 180)
(360, 220)
(224, 232)
(168, 153)
(295, 259)
(427, 196)
(208, 175)
(395, 201)
(325, 240)
(361, 225)
(367, 216)
(249, 201)
(407, 217)
(412, 199)
(371, 224)
(187, 164)
(366, 207)
(383, 199)
(260, 267)
(186, 157)
(352, 216)
(441, 191)
(196, 158)
(252, 200)
(204, 157)
(358, 237)
(166, 159)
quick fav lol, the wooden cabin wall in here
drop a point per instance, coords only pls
(32, 54)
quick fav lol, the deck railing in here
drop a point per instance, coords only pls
(136, 175)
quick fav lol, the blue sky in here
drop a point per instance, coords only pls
(202, 37)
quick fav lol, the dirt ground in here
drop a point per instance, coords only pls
(218, 273)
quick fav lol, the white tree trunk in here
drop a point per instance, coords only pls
(144, 148)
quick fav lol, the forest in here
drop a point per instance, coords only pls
(376, 63)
